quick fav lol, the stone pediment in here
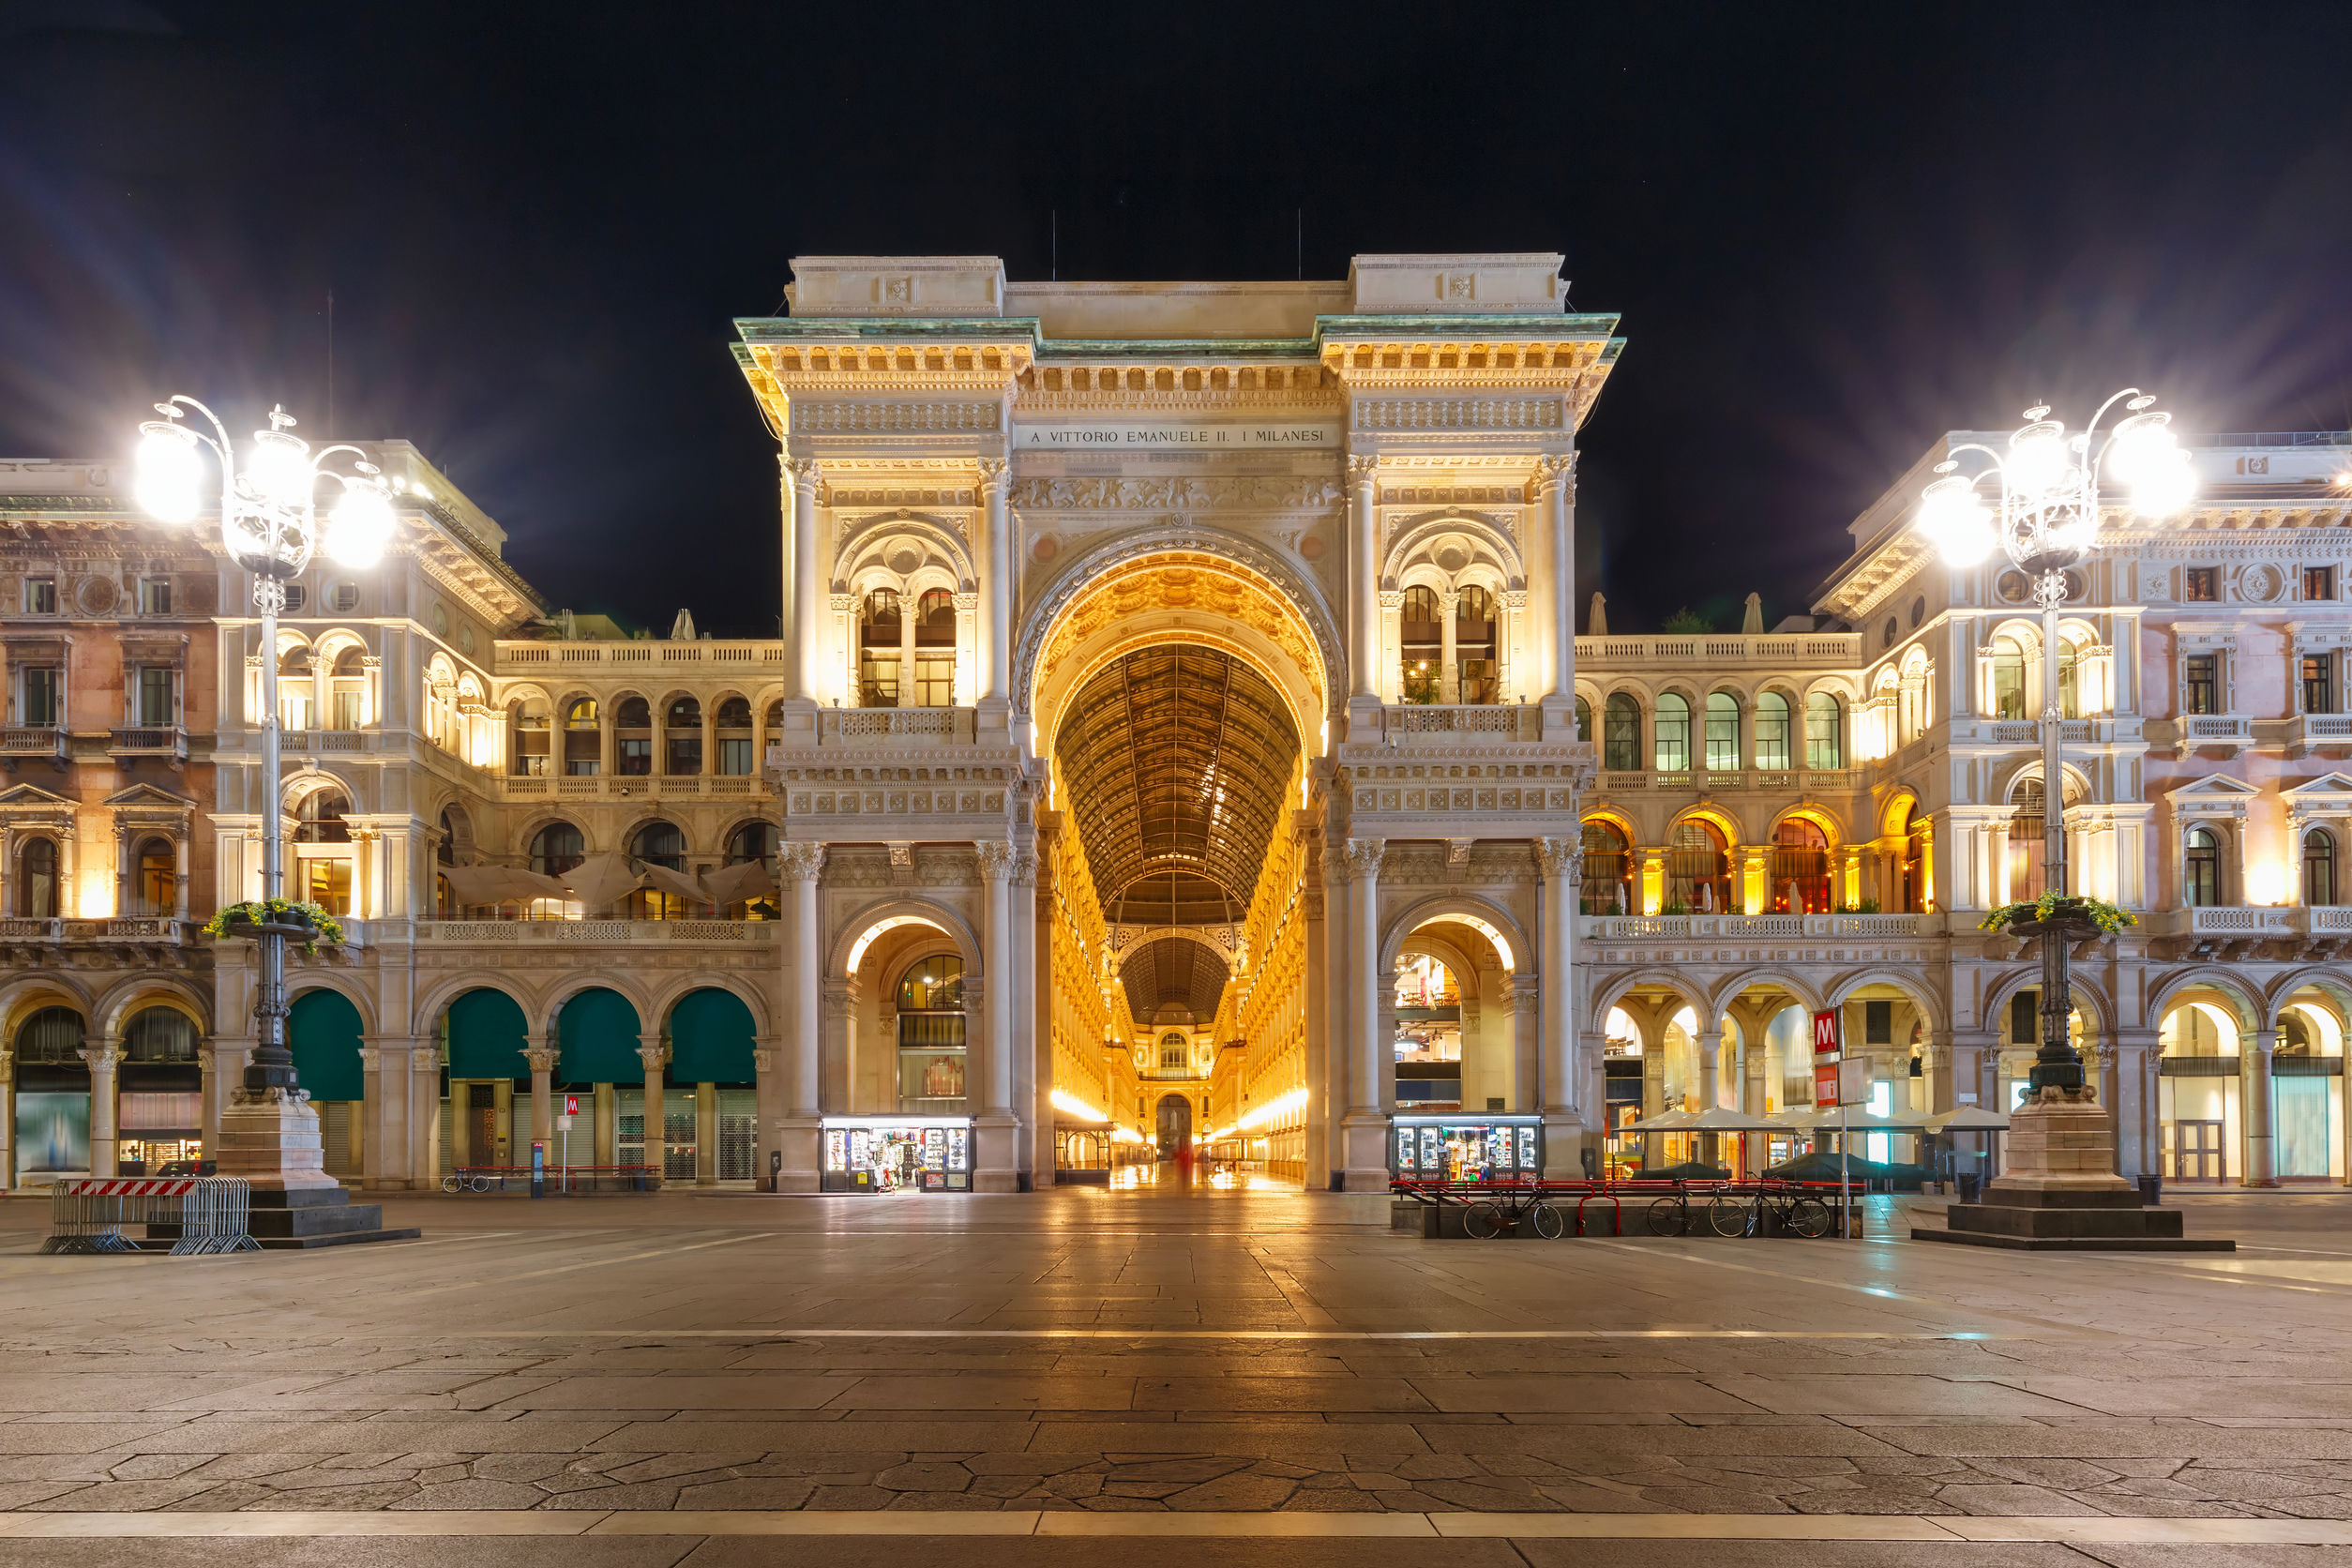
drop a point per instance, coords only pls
(32, 797)
(2214, 796)
(2328, 793)
(148, 797)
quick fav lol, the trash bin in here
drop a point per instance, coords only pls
(2152, 1190)
(1969, 1182)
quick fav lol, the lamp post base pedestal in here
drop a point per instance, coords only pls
(2061, 1193)
(270, 1136)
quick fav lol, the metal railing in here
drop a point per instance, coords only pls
(148, 741)
(197, 1214)
(1622, 927)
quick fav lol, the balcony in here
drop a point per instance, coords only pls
(648, 786)
(1762, 649)
(585, 933)
(45, 743)
(1700, 781)
(134, 930)
(2028, 732)
(1638, 928)
(1478, 721)
(2231, 731)
(295, 740)
(170, 743)
(2306, 730)
(538, 657)
(849, 726)
(2251, 922)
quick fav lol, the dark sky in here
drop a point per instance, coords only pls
(1833, 231)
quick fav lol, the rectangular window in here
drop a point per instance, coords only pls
(1771, 732)
(1878, 1023)
(1671, 730)
(685, 756)
(327, 884)
(1621, 742)
(44, 697)
(632, 755)
(935, 680)
(155, 595)
(735, 757)
(2200, 684)
(2320, 582)
(2201, 584)
(155, 696)
(2024, 1008)
(346, 709)
(1723, 737)
(40, 596)
(2319, 683)
(878, 678)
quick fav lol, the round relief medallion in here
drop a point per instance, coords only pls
(2261, 583)
(1045, 549)
(1311, 548)
(905, 557)
(97, 595)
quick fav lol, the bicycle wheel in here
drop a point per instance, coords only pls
(1667, 1217)
(1809, 1216)
(1730, 1216)
(479, 1183)
(1482, 1222)
(452, 1183)
(1548, 1222)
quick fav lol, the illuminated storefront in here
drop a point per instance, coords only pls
(897, 1153)
(1467, 1148)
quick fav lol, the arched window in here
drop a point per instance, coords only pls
(159, 1034)
(732, 726)
(1723, 732)
(2319, 869)
(1771, 730)
(659, 844)
(156, 879)
(683, 726)
(533, 735)
(1608, 869)
(755, 841)
(556, 848)
(1671, 733)
(2201, 868)
(930, 1007)
(2009, 678)
(774, 717)
(349, 696)
(37, 879)
(1584, 722)
(2026, 847)
(1698, 870)
(1621, 742)
(445, 853)
(1914, 888)
(1474, 646)
(1800, 869)
(583, 754)
(319, 818)
(1421, 642)
(934, 649)
(1825, 732)
(633, 737)
(1174, 1048)
(878, 628)
(52, 1037)
(294, 688)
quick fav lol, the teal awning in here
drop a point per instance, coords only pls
(709, 1038)
(485, 1036)
(322, 1031)
(597, 1036)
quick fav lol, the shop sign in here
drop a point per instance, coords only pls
(1161, 436)
(1825, 1085)
(571, 1105)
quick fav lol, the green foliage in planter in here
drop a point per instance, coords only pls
(2052, 906)
(277, 912)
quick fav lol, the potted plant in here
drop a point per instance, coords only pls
(306, 924)
(2068, 918)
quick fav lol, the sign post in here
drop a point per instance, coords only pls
(538, 1168)
(1828, 1046)
(571, 1108)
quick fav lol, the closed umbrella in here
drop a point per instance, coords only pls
(598, 880)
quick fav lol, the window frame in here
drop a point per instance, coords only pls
(1773, 725)
(2326, 861)
(2200, 585)
(1670, 733)
(50, 679)
(1831, 744)
(1725, 746)
(2202, 866)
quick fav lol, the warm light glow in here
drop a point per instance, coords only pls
(857, 949)
(1273, 1111)
(1503, 947)
(2266, 883)
(2166, 487)
(2140, 447)
(1955, 520)
(361, 526)
(279, 468)
(171, 472)
(1071, 1105)
(2038, 458)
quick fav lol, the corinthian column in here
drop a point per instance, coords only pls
(1561, 860)
(995, 589)
(1363, 596)
(798, 1130)
(1557, 657)
(1365, 1128)
(995, 1168)
(103, 1060)
(804, 578)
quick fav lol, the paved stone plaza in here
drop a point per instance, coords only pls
(1017, 1379)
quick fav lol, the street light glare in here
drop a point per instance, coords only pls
(2166, 487)
(361, 526)
(171, 472)
(2038, 458)
(1956, 519)
(280, 467)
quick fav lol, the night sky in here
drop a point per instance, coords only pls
(1831, 232)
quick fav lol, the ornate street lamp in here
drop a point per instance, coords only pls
(2046, 517)
(269, 527)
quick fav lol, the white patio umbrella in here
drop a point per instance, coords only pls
(598, 880)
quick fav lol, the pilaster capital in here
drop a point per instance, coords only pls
(1024, 868)
(1362, 468)
(1391, 598)
(541, 1058)
(1555, 471)
(104, 1057)
(656, 1057)
(800, 861)
(425, 1058)
(762, 1060)
(993, 471)
(1363, 858)
(996, 858)
(801, 470)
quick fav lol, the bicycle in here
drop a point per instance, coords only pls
(1731, 1215)
(1671, 1217)
(1487, 1219)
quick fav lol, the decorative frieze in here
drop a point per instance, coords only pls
(875, 416)
(1459, 414)
(1175, 493)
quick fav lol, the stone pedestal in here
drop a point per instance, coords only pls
(270, 1136)
(2060, 1193)
(1364, 1141)
(801, 1141)
(993, 1136)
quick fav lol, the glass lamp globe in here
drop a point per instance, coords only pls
(2165, 486)
(1952, 515)
(171, 473)
(2038, 458)
(279, 468)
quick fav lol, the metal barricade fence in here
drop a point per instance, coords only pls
(211, 1212)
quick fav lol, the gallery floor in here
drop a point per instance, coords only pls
(1268, 1376)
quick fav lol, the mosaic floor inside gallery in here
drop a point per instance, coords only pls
(1272, 1376)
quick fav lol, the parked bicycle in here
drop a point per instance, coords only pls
(1732, 1215)
(1488, 1218)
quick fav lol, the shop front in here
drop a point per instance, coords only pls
(897, 1153)
(1466, 1148)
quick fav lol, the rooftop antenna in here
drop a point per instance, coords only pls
(1053, 246)
(1301, 217)
(329, 431)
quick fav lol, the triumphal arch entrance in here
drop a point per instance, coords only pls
(1179, 761)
